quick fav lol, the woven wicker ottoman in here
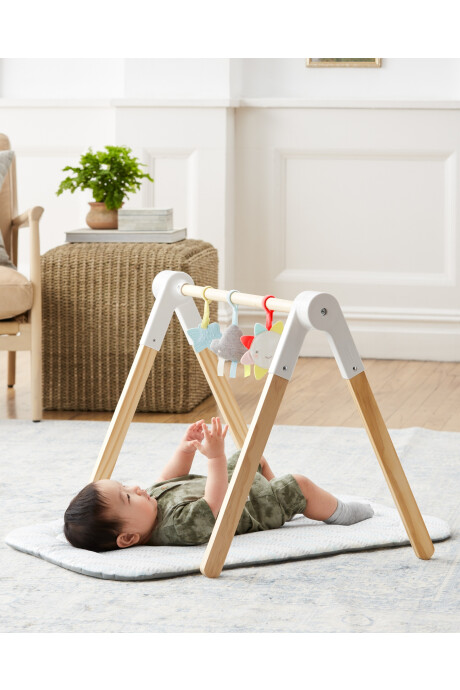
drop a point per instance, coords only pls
(96, 301)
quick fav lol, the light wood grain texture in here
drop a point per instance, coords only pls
(391, 467)
(124, 412)
(243, 476)
(409, 393)
(240, 298)
(9, 328)
(35, 314)
(224, 397)
(19, 343)
(27, 336)
(11, 369)
(18, 336)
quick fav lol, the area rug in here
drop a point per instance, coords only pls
(43, 465)
(145, 451)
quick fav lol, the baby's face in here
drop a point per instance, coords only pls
(136, 510)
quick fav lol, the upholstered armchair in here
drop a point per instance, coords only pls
(20, 298)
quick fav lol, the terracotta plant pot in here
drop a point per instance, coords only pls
(102, 218)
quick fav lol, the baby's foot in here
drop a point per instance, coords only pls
(350, 513)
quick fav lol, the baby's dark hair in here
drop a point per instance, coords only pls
(86, 525)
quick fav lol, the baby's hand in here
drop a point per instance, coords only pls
(193, 433)
(213, 445)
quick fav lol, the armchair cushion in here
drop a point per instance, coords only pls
(16, 293)
(4, 258)
(5, 161)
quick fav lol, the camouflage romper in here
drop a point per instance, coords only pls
(184, 517)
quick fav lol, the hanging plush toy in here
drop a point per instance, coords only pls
(205, 333)
(262, 345)
(229, 347)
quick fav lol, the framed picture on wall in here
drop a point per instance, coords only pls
(344, 62)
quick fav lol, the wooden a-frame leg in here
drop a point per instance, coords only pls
(243, 476)
(124, 413)
(224, 397)
(391, 467)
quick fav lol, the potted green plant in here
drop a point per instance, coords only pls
(111, 175)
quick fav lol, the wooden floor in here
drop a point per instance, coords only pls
(409, 393)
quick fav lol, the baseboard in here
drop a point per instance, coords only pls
(380, 333)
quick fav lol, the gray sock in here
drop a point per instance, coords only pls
(349, 513)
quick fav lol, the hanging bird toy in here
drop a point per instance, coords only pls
(262, 345)
(205, 333)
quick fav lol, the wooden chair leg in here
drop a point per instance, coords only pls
(36, 383)
(124, 413)
(11, 368)
(36, 364)
(36, 318)
(391, 467)
(243, 476)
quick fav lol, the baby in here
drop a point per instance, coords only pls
(181, 508)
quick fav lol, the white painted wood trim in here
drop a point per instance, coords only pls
(216, 143)
(30, 103)
(382, 333)
(358, 105)
(175, 103)
(367, 277)
(246, 315)
(117, 103)
(226, 103)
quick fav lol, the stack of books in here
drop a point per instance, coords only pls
(145, 219)
(135, 225)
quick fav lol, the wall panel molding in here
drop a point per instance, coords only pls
(378, 333)
(446, 277)
(362, 202)
(181, 200)
(240, 172)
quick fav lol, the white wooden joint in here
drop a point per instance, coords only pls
(324, 314)
(321, 311)
(166, 288)
(292, 337)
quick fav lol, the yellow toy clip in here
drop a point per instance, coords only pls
(205, 333)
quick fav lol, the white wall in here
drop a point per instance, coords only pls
(336, 180)
(404, 79)
(61, 78)
(197, 78)
(115, 78)
(362, 203)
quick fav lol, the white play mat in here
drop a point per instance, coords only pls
(299, 539)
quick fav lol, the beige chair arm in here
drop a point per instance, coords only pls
(26, 218)
(30, 218)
